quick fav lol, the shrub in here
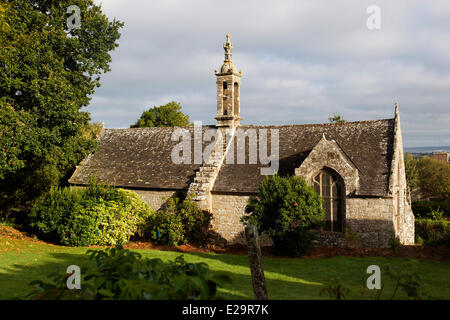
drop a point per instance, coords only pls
(295, 243)
(285, 209)
(178, 223)
(336, 289)
(95, 215)
(125, 275)
(407, 278)
(433, 232)
(394, 242)
(422, 209)
(166, 226)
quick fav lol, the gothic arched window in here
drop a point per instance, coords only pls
(330, 187)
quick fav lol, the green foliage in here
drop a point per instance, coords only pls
(394, 242)
(407, 279)
(434, 178)
(178, 223)
(336, 289)
(436, 215)
(433, 232)
(47, 74)
(411, 171)
(168, 115)
(285, 209)
(426, 209)
(295, 243)
(337, 118)
(166, 226)
(95, 215)
(124, 275)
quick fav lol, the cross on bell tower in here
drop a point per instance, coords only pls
(228, 90)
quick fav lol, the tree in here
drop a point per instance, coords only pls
(411, 171)
(434, 178)
(48, 72)
(168, 115)
(285, 209)
(337, 118)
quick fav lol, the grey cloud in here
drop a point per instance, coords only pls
(302, 61)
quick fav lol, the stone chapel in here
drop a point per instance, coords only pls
(356, 167)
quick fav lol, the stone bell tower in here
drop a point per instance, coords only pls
(228, 90)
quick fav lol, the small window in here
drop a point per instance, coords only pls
(331, 189)
(225, 85)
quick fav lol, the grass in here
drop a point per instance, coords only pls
(22, 261)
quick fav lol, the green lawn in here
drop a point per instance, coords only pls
(22, 261)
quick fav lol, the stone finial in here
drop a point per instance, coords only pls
(397, 114)
(228, 47)
(228, 66)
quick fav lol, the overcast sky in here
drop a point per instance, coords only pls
(302, 61)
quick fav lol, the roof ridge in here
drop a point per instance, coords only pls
(318, 124)
(266, 125)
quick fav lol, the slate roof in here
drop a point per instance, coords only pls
(141, 157)
(138, 158)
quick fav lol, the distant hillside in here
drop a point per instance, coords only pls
(427, 149)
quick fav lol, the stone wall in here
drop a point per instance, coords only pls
(155, 198)
(370, 219)
(368, 223)
(227, 211)
(327, 154)
(403, 217)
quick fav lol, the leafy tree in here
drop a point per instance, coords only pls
(434, 178)
(411, 171)
(47, 74)
(337, 118)
(285, 209)
(168, 115)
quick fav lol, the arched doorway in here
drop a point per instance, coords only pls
(329, 185)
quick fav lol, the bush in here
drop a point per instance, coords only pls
(125, 275)
(422, 209)
(433, 232)
(95, 215)
(178, 223)
(165, 226)
(285, 209)
(336, 289)
(294, 243)
(394, 242)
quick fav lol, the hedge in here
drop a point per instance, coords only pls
(433, 232)
(95, 215)
(421, 209)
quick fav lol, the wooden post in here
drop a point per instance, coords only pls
(256, 267)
